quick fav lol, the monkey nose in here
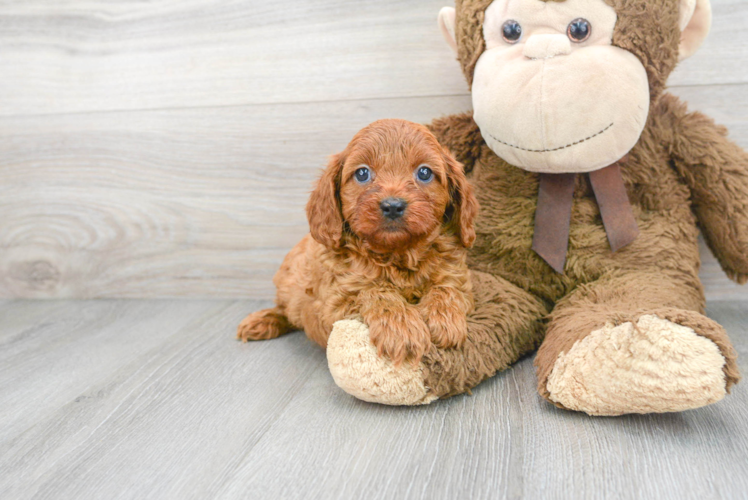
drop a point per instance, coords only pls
(546, 46)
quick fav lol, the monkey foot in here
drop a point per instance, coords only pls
(359, 371)
(653, 366)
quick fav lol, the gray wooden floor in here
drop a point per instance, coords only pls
(155, 399)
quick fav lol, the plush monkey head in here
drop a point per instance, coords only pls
(566, 85)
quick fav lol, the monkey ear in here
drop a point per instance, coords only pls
(323, 209)
(447, 18)
(695, 22)
(463, 201)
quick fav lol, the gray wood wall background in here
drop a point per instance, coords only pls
(166, 148)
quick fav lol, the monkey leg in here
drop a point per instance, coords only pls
(506, 324)
(635, 342)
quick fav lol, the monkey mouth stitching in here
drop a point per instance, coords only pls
(554, 149)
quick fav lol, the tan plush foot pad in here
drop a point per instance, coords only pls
(358, 370)
(654, 366)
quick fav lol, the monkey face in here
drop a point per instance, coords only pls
(551, 93)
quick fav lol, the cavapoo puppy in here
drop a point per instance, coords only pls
(391, 219)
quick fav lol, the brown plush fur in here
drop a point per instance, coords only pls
(406, 278)
(684, 174)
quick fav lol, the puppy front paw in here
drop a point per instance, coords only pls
(262, 325)
(448, 326)
(400, 335)
(448, 330)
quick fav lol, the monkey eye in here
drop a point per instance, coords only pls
(424, 174)
(579, 30)
(511, 31)
(362, 175)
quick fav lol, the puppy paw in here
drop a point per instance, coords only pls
(400, 335)
(262, 325)
(448, 327)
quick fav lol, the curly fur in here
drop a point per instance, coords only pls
(408, 278)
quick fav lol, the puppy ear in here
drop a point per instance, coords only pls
(463, 201)
(323, 209)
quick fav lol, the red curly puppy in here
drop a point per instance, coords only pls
(391, 220)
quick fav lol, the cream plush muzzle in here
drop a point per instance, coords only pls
(582, 109)
(548, 104)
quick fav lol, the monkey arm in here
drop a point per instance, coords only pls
(716, 170)
(461, 135)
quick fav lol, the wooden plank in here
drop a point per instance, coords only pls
(70, 348)
(165, 423)
(502, 442)
(507, 444)
(197, 203)
(185, 203)
(96, 55)
(199, 415)
(20, 319)
(465, 447)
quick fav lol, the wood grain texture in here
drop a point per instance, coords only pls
(65, 346)
(191, 413)
(182, 404)
(168, 203)
(95, 55)
(166, 149)
(143, 205)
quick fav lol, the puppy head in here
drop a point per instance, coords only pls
(393, 186)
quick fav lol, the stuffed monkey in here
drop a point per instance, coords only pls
(593, 184)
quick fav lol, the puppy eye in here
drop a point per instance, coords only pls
(511, 31)
(362, 175)
(579, 30)
(424, 174)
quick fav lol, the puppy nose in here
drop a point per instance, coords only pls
(393, 208)
(547, 46)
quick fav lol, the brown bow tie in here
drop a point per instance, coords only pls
(553, 215)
